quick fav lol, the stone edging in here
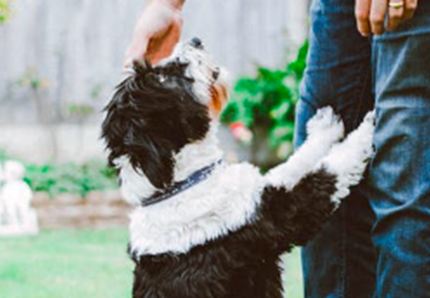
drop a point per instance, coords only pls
(97, 210)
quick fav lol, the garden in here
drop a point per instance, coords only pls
(80, 249)
(80, 263)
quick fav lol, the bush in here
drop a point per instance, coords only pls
(266, 104)
(71, 178)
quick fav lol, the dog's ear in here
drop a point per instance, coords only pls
(131, 129)
(142, 68)
(114, 128)
(152, 156)
(149, 121)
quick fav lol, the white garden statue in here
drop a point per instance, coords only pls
(16, 215)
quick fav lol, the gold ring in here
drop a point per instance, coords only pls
(396, 5)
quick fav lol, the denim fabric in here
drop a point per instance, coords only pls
(378, 243)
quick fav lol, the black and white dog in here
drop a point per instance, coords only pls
(202, 228)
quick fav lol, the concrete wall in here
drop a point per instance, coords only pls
(73, 50)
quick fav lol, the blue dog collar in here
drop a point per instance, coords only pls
(182, 186)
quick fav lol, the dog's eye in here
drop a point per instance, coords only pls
(191, 80)
(182, 64)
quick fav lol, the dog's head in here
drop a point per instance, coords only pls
(158, 110)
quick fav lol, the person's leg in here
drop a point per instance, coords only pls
(340, 261)
(399, 176)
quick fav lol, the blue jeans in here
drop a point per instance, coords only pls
(378, 243)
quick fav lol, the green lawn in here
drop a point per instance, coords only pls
(82, 264)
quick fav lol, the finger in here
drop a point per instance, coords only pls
(135, 52)
(162, 47)
(410, 8)
(378, 13)
(395, 14)
(362, 13)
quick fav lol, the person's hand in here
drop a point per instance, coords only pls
(156, 34)
(377, 16)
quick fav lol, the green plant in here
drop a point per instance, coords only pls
(48, 110)
(80, 110)
(4, 10)
(32, 80)
(71, 178)
(265, 104)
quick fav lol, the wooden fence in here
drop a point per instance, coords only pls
(60, 60)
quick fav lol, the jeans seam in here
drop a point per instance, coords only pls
(354, 122)
(313, 106)
(360, 95)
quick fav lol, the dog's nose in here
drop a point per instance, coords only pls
(216, 73)
(197, 43)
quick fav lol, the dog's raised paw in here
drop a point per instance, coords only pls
(370, 117)
(327, 123)
(364, 133)
(348, 160)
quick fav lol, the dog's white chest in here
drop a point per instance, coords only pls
(223, 203)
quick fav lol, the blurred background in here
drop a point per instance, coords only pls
(59, 64)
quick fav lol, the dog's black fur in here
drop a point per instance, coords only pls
(245, 263)
(149, 121)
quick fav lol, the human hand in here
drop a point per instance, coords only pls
(156, 33)
(377, 16)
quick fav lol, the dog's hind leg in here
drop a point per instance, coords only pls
(324, 130)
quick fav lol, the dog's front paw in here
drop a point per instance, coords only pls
(326, 124)
(370, 118)
(362, 137)
(348, 160)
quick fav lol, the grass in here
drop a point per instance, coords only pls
(66, 264)
(82, 264)
(293, 278)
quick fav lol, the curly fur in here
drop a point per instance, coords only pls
(222, 238)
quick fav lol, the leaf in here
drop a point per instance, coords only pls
(267, 101)
(250, 86)
(280, 111)
(71, 178)
(299, 65)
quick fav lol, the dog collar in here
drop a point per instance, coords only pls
(182, 186)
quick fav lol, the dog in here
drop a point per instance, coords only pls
(202, 228)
